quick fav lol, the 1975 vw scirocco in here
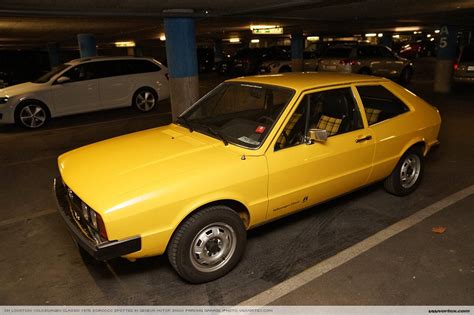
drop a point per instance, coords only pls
(252, 150)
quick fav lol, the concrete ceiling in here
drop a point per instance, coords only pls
(35, 22)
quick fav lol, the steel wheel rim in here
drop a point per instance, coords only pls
(213, 247)
(32, 116)
(410, 171)
(145, 101)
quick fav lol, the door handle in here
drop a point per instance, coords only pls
(369, 137)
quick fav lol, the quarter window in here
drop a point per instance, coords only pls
(380, 104)
(332, 110)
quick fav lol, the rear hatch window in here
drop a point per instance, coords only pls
(338, 52)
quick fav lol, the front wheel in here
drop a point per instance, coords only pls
(31, 115)
(145, 100)
(407, 175)
(208, 244)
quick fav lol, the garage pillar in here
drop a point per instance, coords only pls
(297, 46)
(182, 63)
(87, 45)
(53, 53)
(445, 59)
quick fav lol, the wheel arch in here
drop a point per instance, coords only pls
(31, 100)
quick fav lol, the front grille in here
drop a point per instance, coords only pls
(75, 208)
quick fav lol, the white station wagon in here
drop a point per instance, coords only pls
(85, 85)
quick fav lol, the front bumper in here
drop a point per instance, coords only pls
(100, 251)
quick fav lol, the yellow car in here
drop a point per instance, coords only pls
(252, 150)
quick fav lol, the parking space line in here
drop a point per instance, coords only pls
(26, 217)
(293, 283)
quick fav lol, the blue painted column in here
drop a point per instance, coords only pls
(87, 45)
(53, 53)
(297, 47)
(182, 63)
(445, 58)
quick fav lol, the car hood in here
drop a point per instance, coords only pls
(21, 88)
(101, 174)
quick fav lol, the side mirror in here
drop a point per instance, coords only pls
(63, 80)
(317, 135)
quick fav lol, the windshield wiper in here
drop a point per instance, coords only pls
(217, 134)
(184, 121)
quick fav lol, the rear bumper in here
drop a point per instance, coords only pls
(102, 251)
(463, 79)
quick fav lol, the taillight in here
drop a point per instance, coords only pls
(348, 62)
(456, 66)
(167, 76)
(101, 227)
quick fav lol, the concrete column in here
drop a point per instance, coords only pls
(297, 46)
(87, 45)
(53, 53)
(182, 63)
(445, 59)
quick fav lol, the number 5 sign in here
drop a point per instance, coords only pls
(447, 42)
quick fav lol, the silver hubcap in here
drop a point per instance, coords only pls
(410, 171)
(213, 247)
(145, 101)
(32, 116)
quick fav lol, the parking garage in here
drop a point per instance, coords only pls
(365, 247)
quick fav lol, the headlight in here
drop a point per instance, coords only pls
(85, 211)
(94, 220)
(3, 100)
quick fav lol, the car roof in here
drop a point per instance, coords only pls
(308, 80)
(103, 58)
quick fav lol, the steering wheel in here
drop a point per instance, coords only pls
(263, 119)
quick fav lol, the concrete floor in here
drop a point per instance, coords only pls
(41, 265)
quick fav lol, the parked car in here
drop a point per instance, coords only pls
(252, 150)
(464, 66)
(417, 49)
(377, 60)
(310, 63)
(248, 60)
(85, 85)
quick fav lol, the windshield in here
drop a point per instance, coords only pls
(238, 113)
(46, 77)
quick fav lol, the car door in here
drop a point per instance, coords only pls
(80, 93)
(302, 173)
(115, 83)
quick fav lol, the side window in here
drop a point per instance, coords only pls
(380, 104)
(385, 52)
(106, 69)
(332, 110)
(141, 66)
(81, 72)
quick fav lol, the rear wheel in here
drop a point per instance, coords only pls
(208, 244)
(405, 76)
(407, 175)
(31, 115)
(145, 99)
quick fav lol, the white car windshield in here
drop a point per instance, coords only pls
(238, 113)
(46, 77)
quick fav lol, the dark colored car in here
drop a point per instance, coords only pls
(416, 49)
(464, 66)
(247, 61)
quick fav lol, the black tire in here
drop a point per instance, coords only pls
(395, 184)
(405, 75)
(365, 71)
(284, 69)
(145, 99)
(29, 108)
(196, 230)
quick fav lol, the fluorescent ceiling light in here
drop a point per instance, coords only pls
(436, 31)
(261, 27)
(370, 34)
(407, 29)
(124, 44)
(312, 38)
(428, 35)
(396, 36)
(162, 37)
(255, 41)
(379, 34)
(234, 40)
